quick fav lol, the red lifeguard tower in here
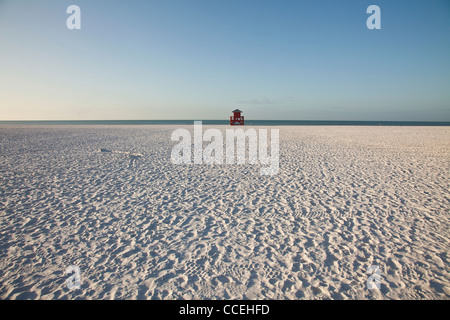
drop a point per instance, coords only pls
(236, 119)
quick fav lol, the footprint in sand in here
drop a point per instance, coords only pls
(132, 156)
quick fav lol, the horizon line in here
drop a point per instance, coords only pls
(225, 120)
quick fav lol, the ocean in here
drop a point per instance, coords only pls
(226, 122)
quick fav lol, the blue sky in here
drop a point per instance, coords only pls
(192, 59)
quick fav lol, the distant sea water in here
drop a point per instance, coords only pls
(226, 122)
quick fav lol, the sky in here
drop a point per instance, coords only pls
(199, 59)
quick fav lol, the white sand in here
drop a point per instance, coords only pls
(139, 227)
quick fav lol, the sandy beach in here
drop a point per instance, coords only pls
(140, 227)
